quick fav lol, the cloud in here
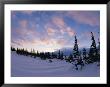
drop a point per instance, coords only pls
(42, 44)
(85, 17)
(23, 23)
(15, 42)
(70, 31)
(46, 44)
(27, 28)
(50, 42)
(61, 42)
(45, 41)
(59, 21)
(51, 31)
(63, 27)
(26, 32)
(24, 35)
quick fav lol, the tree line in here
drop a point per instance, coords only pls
(42, 55)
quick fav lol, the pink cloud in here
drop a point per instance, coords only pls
(52, 42)
(51, 31)
(23, 23)
(58, 21)
(25, 35)
(62, 31)
(63, 28)
(14, 42)
(47, 44)
(25, 32)
(45, 41)
(61, 42)
(85, 18)
(70, 31)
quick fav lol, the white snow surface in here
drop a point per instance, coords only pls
(25, 66)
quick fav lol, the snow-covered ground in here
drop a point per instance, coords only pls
(22, 66)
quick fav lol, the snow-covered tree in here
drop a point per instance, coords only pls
(98, 51)
(48, 55)
(70, 59)
(84, 54)
(93, 50)
(37, 53)
(13, 49)
(75, 49)
(59, 54)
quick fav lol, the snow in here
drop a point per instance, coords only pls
(23, 66)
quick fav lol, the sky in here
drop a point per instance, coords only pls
(48, 31)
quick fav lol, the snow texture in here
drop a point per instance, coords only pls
(23, 66)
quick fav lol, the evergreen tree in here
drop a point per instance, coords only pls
(33, 51)
(84, 55)
(26, 52)
(59, 55)
(75, 49)
(13, 49)
(93, 50)
(52, 55)
(98, 51)
(70, 59)
(49, 56)
(80, 56)
(42, 55)
(17, 51)
(37, 54)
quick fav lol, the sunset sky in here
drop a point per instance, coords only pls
(49, 31)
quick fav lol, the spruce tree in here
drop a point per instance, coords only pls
(59, 55)
(26, 52)
(75, 49)
(84, 55)
(80, 60)
(48, 54)
(37, 53)
(34, 53)
(13, 49)
(93, 50)
(98, 51)
(70, 59)
(17, 51)
(52, 55)
(80, 56)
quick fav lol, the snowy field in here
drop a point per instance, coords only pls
(22, 66)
